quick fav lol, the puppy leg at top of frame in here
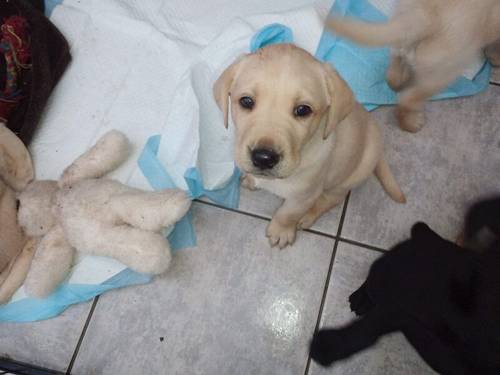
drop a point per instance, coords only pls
(435, 69)
(411, 104)
(399, 73)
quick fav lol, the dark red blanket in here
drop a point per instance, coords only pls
(33, 56)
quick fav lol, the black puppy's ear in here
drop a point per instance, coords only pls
(422, 232)
(419, 229)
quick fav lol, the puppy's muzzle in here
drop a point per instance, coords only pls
(264, 158)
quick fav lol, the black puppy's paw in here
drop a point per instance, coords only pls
(360, 301)
(326, 347)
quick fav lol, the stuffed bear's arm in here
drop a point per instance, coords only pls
(107, 154)
(13, 277)
(50, 265)
(152, 211)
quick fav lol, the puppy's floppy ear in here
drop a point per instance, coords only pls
(16, 168)
(422, 232)
(222, 88)
(341, 99)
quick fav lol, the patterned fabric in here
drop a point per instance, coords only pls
(15, 48)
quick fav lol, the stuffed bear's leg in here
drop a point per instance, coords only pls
(13, 277)
(151, 210)
(106, 155)
(50, 265)
(141, 250)
(331, 345)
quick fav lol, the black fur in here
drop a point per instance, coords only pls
(444, 298)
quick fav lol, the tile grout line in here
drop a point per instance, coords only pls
(328, 277)
(82, 335)
(255, 216)
(312, 231)
(11, 367)
(363, 245)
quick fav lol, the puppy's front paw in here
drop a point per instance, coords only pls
(248, 182)
(326, 347)
(280, 235)
(410, 120)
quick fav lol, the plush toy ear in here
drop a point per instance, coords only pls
(222, 88)
(341, 99)
(16, 168)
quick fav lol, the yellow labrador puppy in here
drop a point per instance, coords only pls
(434, 41)
(300, 134)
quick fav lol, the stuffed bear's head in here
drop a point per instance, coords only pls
(36, 202)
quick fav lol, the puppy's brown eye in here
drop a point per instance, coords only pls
(247, 102)
(302, 111)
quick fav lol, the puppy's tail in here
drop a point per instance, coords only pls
(388, 181)
(403, 29)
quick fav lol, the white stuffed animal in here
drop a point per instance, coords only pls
(16, 171)
(96, 216)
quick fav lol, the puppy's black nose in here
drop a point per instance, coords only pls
(264, 158)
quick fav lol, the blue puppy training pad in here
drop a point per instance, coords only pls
(364, 68)
(29, 309)
(271, 34)
(33, 309)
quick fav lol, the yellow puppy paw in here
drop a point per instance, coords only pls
(248, 182)
(280, 235)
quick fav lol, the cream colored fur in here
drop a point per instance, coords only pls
(12, 238)
(322, 156)
(95, 216)
(16, 170)
(433, 41)
(13, 276)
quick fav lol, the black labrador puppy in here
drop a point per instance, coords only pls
(444, 298)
